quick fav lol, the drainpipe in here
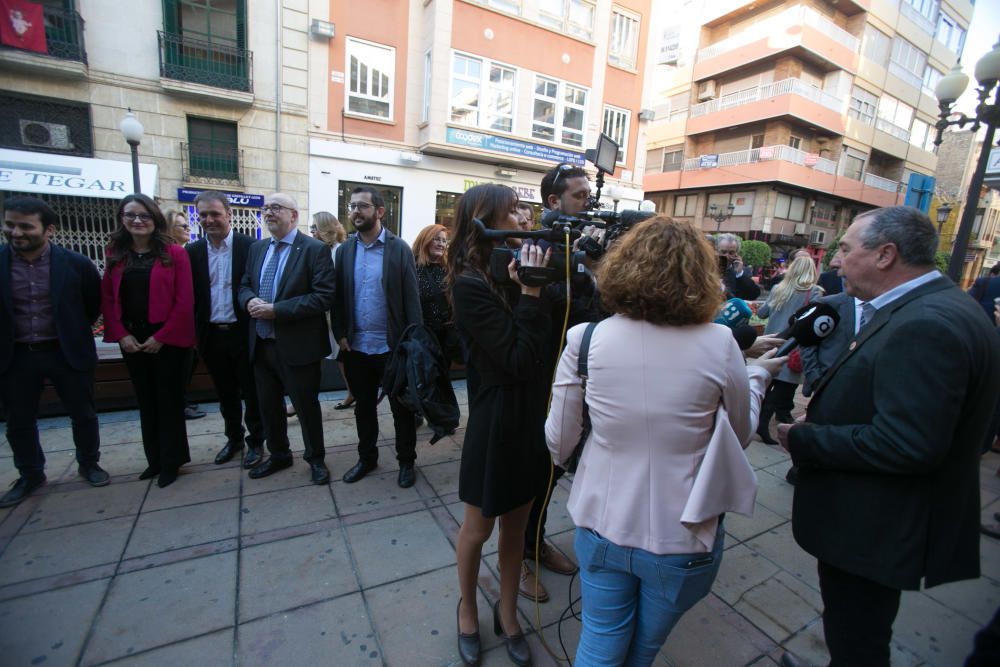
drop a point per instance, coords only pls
(277, 97)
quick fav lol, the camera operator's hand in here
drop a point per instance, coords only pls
(769, 362)
(763, 344)
(531, 255)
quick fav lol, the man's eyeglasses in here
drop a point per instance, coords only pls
(274, 208)
(359, 206)
(142, 217)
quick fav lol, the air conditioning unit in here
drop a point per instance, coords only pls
(817, 238)
(706, 91)
(45, 135)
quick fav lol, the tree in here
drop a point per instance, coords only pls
(831, 250)
(942, 259)
(755, 253)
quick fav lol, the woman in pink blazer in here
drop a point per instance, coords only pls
(670, 398)
(148, 305)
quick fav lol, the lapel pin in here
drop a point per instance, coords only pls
(853, 345)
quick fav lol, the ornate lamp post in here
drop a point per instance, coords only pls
(132, 130)
(943, 212)
(948, 90)
(720, 216)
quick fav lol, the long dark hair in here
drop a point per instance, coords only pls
(120, 241)
(469, 251)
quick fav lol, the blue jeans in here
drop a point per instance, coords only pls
(633, 598)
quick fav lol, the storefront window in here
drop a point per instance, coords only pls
(393, 204)
(444, 209)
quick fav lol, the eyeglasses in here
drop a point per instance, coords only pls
(438, 239)
(359, 206)
(274, 208)
(142, 217)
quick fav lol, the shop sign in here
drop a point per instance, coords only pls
(524, 192)
(490, 142)
(235, 198)
(709, 161)
(23, 171)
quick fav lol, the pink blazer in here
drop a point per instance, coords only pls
(171, 301)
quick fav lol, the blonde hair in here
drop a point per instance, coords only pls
(328, 228)
(800, 276)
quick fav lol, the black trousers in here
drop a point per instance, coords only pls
(21, 387)
(858, 614)
(539, 513)
(159, 381)
(274, 379)
(780, 400)
(364, 374)
(227, 356)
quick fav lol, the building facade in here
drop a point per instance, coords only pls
(782, 121)
(435, 97)
(223, 107)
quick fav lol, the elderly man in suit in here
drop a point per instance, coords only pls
(218, 263)
(375, 300)
(287, 290)
(737, 279)
(888, 454)
(49, 298)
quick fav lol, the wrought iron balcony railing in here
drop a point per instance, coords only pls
(63, 35)
(208, 63)
(213, 167)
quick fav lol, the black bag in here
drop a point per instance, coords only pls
(581, 370)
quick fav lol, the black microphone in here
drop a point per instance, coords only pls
(809, 326)
(550, 216)
(745, 336)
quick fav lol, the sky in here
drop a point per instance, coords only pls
(983, 34)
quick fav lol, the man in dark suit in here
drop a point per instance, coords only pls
(49, 298)
(218, 263)
(287, 290)
(888, 455)
(985, 290)
(737, 279)
(830, 281)
(376, 298)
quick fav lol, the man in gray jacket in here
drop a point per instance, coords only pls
(375, 299)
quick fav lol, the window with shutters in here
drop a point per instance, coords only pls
(205, 41)
(371, 77)
(616, 123)
(624, 38)
(213, 149)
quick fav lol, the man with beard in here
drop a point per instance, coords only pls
(287, 290)
(376, 298)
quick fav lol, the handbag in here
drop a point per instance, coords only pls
(581, 371)
(795, 359)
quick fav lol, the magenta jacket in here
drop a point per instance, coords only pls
(171, 301)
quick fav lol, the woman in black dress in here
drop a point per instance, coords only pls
(504, 463)
(429, 250)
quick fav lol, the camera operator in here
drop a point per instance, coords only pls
(736, 276)
(504, 457)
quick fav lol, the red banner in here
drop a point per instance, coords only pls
(22, 25)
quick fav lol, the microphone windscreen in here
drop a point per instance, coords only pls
(549, 217)
(745, 336)
(733, 313)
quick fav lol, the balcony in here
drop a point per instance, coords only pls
(65, 54)
(206, 65)
(917, 18)
(892, 129)
(880, 183)
(787, 97)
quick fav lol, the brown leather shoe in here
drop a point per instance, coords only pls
(528, 588)
(554, 560)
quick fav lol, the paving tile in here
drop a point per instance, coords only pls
(809, 644)
(268, 511)
(69, 508)
(49, 628)
(123, 461)
(932, 631)
(212, 649)
(42, 554)
(557, 518)
(203, 448)
(778, 546)
(989, 557)
(195, 487)
(563, 637)
(442, 477)
(415, 619)
(557, 586)
(780, 606)
(762, 456)
(187, 526)
(289, 478)
(743, 528)
(186, 599)
(774, 493)
(688, 645)
(741, 570)
(294, 572)
(445, 449)
(336, 632)
(397, 547)
(371, 493)
(976, 599)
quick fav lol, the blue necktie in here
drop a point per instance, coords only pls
(867, 313)
(265, 328)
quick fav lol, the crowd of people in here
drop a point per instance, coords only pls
(652, 401)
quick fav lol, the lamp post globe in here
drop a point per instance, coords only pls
(133, 131)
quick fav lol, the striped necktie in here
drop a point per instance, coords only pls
(867, 313)
(265, 328)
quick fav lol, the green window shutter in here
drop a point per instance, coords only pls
(171, 17)
(241, 24)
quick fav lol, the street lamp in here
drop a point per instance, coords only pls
(943, 211)
(132, 130)
(617, 193)
(948, 90)
(715, 213)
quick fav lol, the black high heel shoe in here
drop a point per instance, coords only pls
(469, 646)
(765, 436)
(517, 646)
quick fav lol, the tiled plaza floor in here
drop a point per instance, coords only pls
(219, 569)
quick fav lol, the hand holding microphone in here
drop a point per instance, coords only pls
(809, 326)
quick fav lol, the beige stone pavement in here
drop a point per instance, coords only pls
(219, 569)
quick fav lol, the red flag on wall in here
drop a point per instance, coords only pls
(22, 25)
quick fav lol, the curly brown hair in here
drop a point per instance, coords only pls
(664, 272)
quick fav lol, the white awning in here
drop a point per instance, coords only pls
(22, 171)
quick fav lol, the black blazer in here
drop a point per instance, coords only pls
(303, 296)
(399, 284)
(888, 483)
(743, 287)
(198, 252)
(75, 292)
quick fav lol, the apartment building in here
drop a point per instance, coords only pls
(223, 107)
(782, 121)
(425, 99)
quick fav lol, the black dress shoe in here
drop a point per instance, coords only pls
(792, 476)
(469, 645)
(95, 475)
(789, 660)
(270, 466)
(149, 473)
(20, 490)
(765, 436)
(253, 458)
(193, 413)
(407, 476)
(517, 646)
(228, 452)
(359, 470)
(320, 473)
(166, 478)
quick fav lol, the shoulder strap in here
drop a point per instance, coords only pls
(581, 362)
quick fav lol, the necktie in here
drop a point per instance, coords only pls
(867, 313)
(265, 328)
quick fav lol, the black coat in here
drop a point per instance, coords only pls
(743, 287)
(198, 252)
(888, 460)
(831, 282)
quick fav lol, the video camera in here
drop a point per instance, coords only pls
(558, 226)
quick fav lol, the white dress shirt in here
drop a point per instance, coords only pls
(220, 278)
